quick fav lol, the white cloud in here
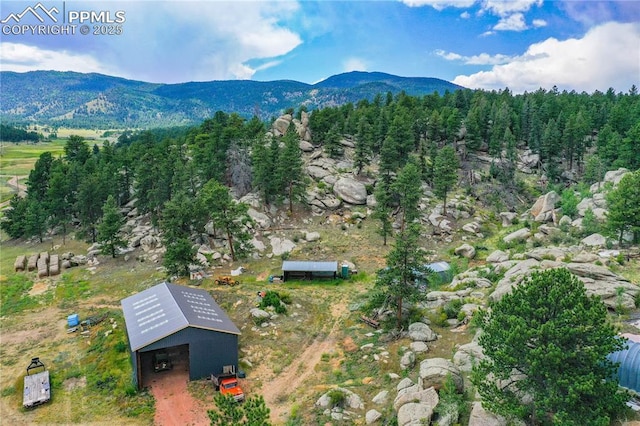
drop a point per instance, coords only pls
(513, 22)
(505, 8)
(439, 4)
(538, 23)
(20, 57)
(354, 64)
(175, 42)
(586, 64)
(481, 59)
(465, 15)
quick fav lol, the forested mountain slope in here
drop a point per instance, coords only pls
(100, 101)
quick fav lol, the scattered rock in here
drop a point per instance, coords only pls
(381, 397)
(312, 236)
(259, 314)
(542, 210)
(434, 372)
(408, 360)
(372, 416)
(421, 332)
(507, 218)
(481, 417)
(519, 235)
(466, 250)
(467, 355)
(594, 240)
(418, 347)
(261, 219)
(472, 227)
(281, 245)
(497, 256)
(416, 413)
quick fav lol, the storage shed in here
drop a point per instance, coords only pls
(443, 269)
(308, 270)
(184, 322)
(629, 368)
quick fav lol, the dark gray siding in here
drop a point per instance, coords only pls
(208, 350)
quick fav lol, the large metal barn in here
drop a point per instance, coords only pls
(180, 322)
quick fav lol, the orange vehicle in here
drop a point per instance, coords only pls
(227, 280)
(227, 383)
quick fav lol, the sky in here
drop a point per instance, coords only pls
(522, 45)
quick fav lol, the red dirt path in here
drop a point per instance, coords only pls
(174, 404)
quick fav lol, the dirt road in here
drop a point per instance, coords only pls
(293, 377)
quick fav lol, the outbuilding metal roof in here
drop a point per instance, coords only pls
(164, 309)
(439, 266)
(629, 368)
(309, 266)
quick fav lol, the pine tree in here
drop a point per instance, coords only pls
(290, 171)
(445, 174)
(531, 337)
(624, 207)
(382, 210)
(228, 216)
(109, 228)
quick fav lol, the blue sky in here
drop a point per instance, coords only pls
(491, 44)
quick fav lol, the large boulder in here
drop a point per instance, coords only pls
(498, 256)
(415, 394)
(542, 210)
(421, 332)
(615, 291)
(467, 355)
(508, 218)
(352, 400)
(281, 125)
(519, 235)
(465, 250)
(594, 240)
(149, 242)
(481, 417)
(350, 191)
(280, 246)
(372, 416)
(435, 371)
(415, 413)
(261, 219)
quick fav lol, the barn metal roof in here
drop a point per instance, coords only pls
(293, 265)
(165, 309)
(629, 368)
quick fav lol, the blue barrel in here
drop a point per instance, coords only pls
(73, 320)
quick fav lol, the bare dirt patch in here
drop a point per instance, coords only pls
(174, 404)
(75, 383)
(38, 288)
(278, 390)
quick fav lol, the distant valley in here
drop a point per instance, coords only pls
(99, 101)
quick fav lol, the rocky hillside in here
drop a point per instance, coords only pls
(100, 101)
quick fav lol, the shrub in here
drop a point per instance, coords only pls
(452, 308)
(569, 202)
(272, 298)
(337, 398)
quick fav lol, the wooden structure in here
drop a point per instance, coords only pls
(37, 389)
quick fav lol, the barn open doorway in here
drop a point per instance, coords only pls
(154, 368)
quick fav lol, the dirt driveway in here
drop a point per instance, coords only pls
(174, 404)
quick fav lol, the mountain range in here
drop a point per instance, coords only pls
(100, 101)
